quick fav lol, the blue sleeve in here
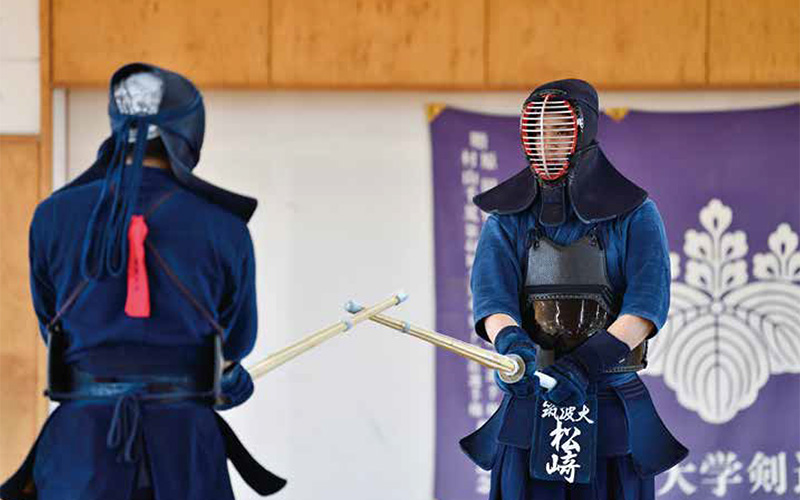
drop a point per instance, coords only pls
(42, 289)
(238, 312)
(646, 267)
(496, 274)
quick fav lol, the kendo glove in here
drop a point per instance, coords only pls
(236, 386)
(575, 371)
(514, 340)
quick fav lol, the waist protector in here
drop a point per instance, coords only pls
(171, 379)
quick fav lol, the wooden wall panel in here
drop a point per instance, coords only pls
(613, 43)
(374, 43)
(216, 44)
(441, 44)
(21, 347)
(754, 43)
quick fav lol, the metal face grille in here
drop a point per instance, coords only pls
(549, 130)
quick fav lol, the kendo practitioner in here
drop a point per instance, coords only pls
(572, 274)
(143, 281)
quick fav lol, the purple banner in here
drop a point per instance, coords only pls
(725, 370)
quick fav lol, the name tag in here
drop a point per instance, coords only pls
(564, 446)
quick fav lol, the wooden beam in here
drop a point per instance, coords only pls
(421, 44)
(614, 44)
(215, 44)
(754, 44)
(378, 43)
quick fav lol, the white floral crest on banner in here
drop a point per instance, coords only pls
(724, 335)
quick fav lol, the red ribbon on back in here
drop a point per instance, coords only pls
(138, 302)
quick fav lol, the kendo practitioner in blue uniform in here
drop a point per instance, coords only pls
(143, 281)
(572, 274)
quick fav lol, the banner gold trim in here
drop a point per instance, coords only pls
(616, 114)
(433, 109)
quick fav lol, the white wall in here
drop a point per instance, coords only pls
(19, 67)
(344, 183)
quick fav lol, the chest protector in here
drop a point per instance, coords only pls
(568, 298)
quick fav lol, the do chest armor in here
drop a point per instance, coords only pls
(567, 298)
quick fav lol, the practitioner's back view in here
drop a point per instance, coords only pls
(143, 281)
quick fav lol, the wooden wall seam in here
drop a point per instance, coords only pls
(707, 53)
(271, 42)
(486, 60)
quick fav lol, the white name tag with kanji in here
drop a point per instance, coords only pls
(564, 446)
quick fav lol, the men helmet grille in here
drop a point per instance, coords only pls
(549, 129)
